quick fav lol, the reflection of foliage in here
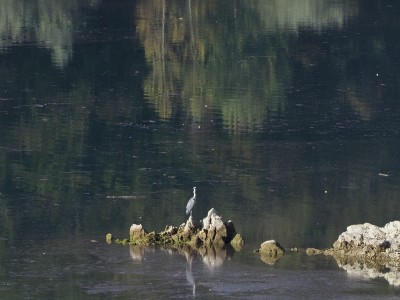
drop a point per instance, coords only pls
(196, 62)
(314, 14)
(49, 22)
(372, 79)
(202, 61)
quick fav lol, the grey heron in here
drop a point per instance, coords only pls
(191, 202)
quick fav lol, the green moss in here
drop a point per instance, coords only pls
(121, 241)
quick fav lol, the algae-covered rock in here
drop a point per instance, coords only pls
(214, 232)
(137, 232)
(237, 242)
(109, 238)
(314, 251)
(271, 251)
(272, 248)
(138, 236)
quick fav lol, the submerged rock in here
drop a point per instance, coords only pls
(214, 231)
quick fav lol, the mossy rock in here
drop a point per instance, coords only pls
(214, 232)
(237, 242)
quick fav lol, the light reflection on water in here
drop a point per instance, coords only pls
(91, 270)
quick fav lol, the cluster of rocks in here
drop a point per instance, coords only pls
(363, 249)
(213, 231)
(270, 252)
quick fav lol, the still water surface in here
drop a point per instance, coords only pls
(284, 114)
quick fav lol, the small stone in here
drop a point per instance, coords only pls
(109, 238)
(237, 242)
(313, 251)
(271, 251)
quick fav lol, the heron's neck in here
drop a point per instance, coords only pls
(194, 193)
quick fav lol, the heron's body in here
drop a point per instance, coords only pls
(191, 202)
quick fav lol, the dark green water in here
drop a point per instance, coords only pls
(284, 114)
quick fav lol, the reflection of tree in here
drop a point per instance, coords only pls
(315, 14)
(197, 66)
(48, 22)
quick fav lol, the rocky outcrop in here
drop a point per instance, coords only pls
(368, 250)
(368, 243)
(213, 232)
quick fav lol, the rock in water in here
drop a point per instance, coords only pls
(369, 251)
(136, 232)
(109, 238)
(272, 247)
(237, 242)
(358, 235)
(215, 231)
(138, 236)
(207, 220)
(368, 245)
(367, 241)
(271, 251)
